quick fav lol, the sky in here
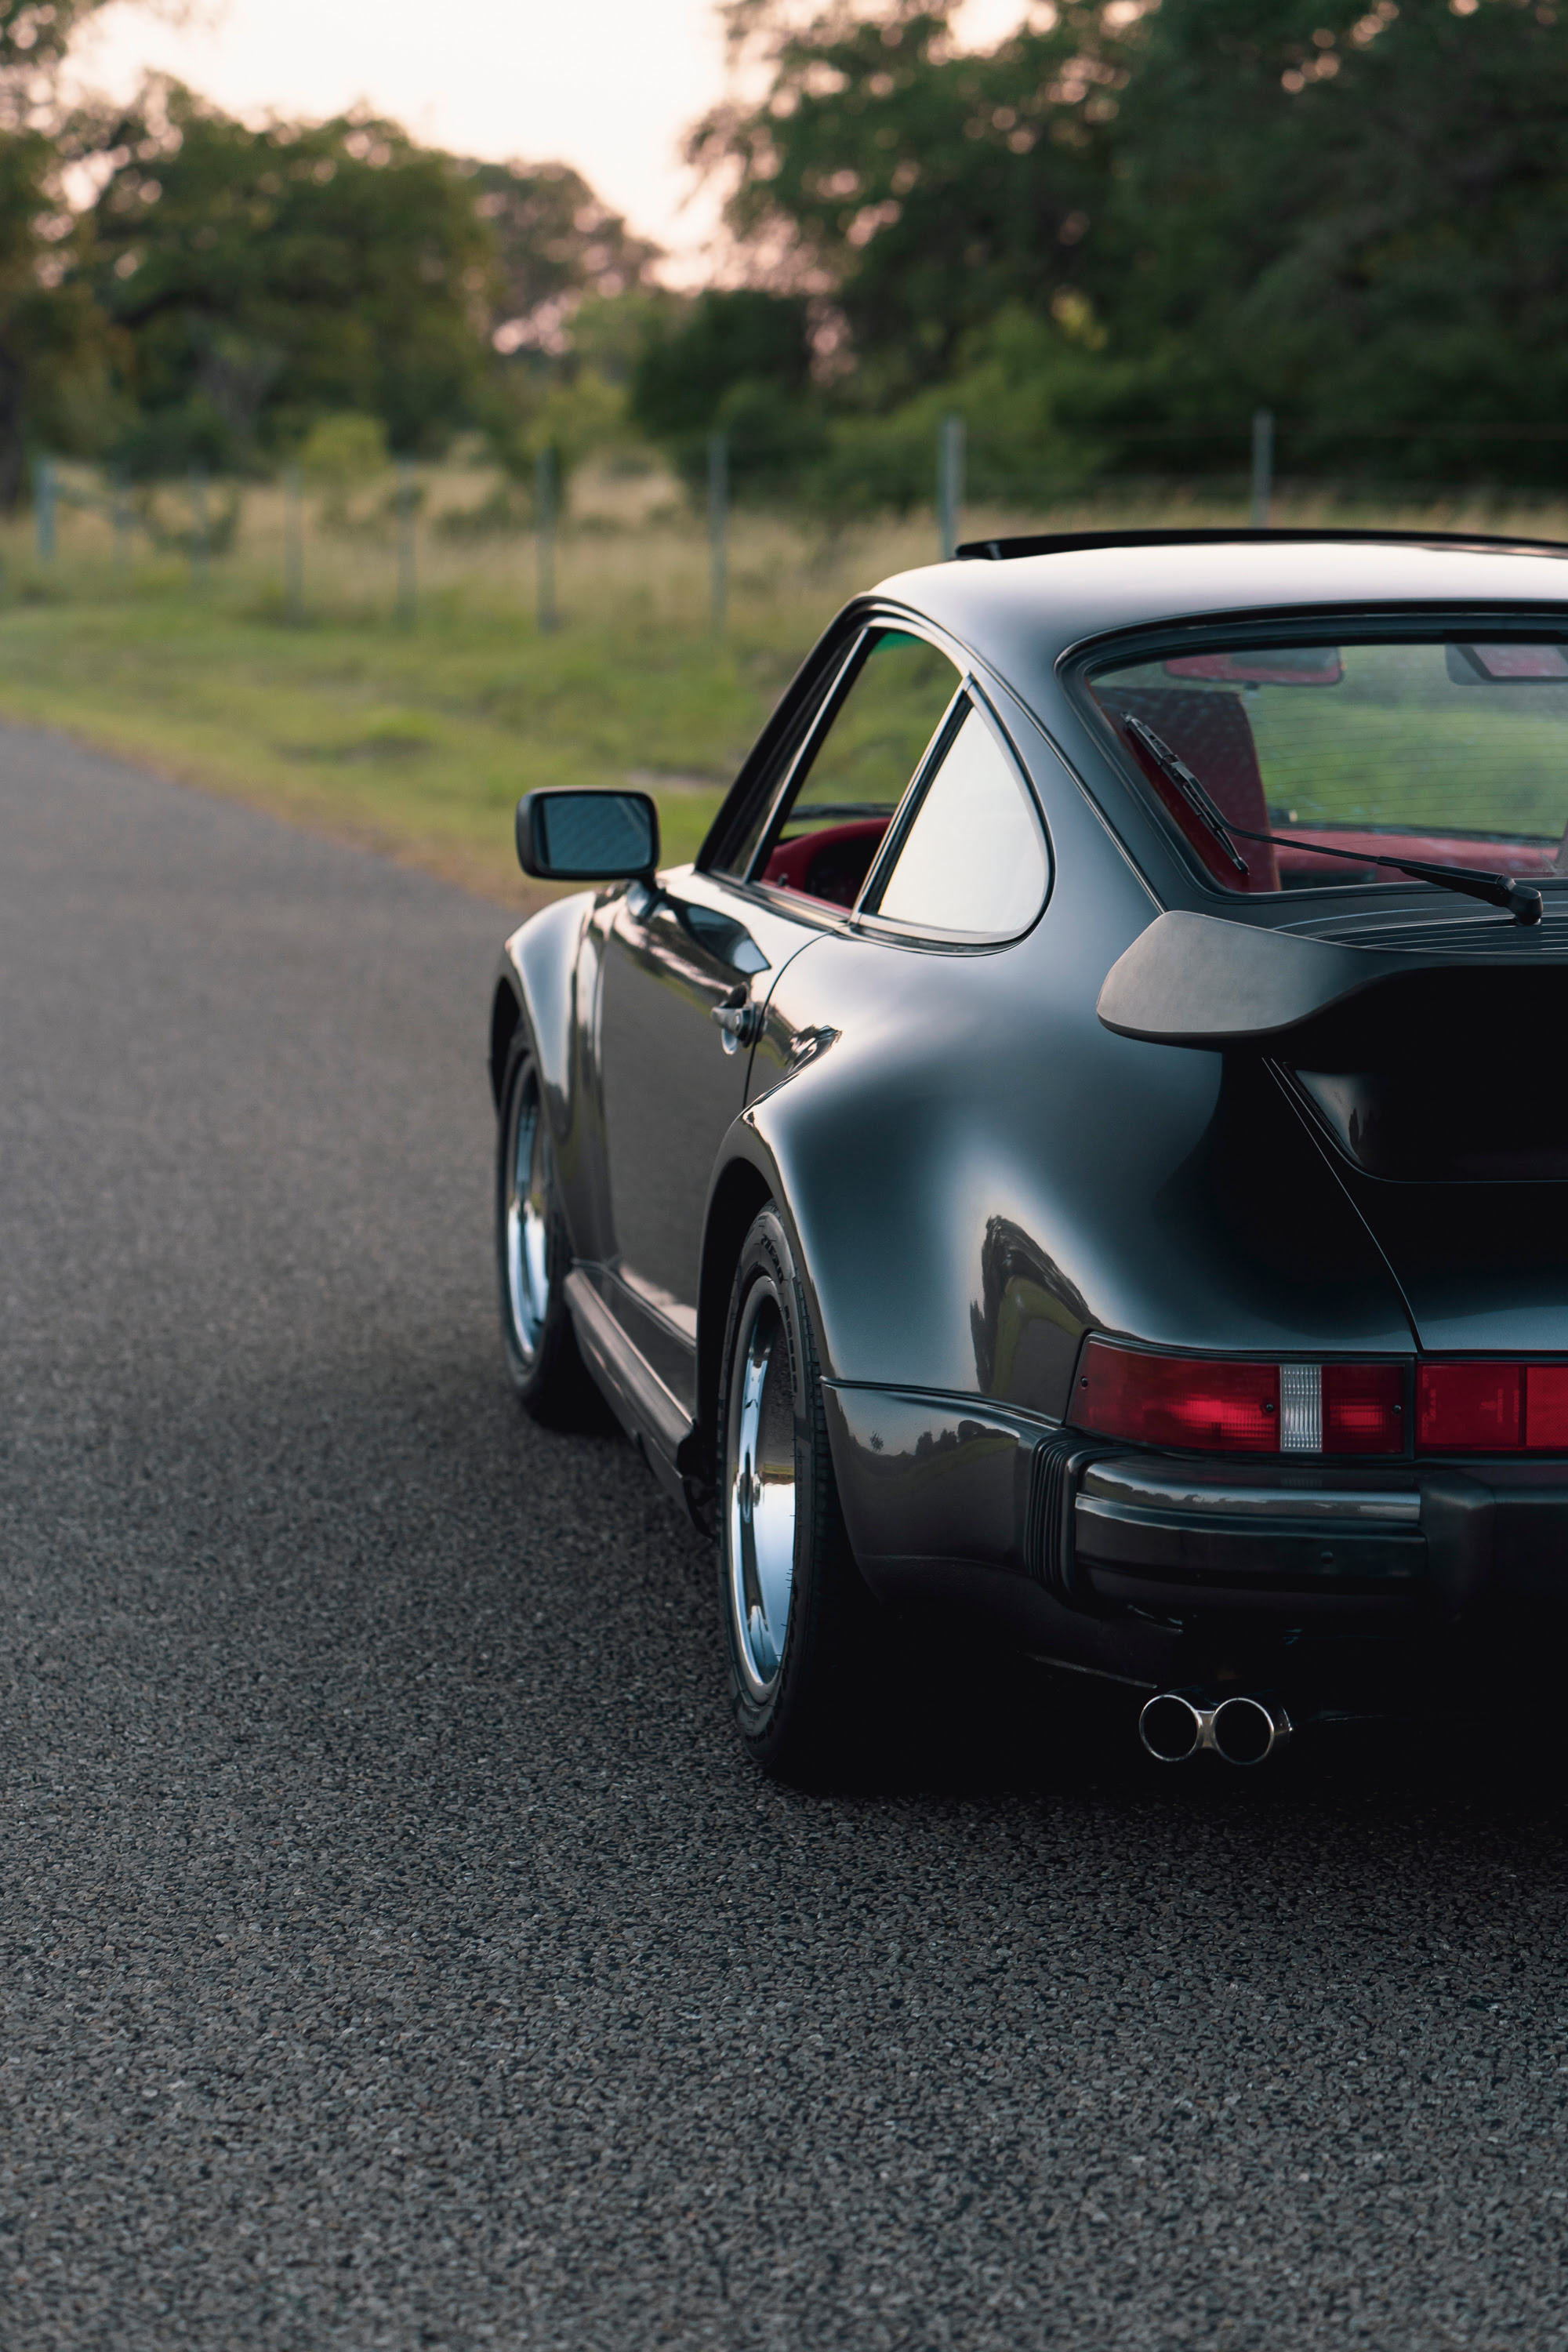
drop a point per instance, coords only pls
(609, 85)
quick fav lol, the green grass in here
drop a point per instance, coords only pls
(1402, 742)
(416, 744)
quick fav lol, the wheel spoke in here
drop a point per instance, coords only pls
(762, 1489)
(527, 1221)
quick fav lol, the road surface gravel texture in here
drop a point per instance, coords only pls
(397, 1948)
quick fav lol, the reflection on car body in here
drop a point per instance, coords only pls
(984, 1181)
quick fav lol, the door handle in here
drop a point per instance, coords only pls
(740, 1019)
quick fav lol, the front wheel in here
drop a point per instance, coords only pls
(533, 1253)
(797, 1618)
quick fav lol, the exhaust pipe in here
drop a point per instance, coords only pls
(1244, 1729)
(1174, 1726)
(1249, 1730)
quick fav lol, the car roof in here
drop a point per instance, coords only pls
(1021, 613)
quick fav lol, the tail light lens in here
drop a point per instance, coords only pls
(1364, 1408)
(1465, 1408)
(1214, 1405)
(1178, 1400)
(1546, 1408)
(1470, 1408)
(1239, 1408)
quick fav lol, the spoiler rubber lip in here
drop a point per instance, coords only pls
(1197, 980)
(1074, 543)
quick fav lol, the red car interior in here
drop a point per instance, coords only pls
(1213, 734)
(831, 865)
(1297, 867)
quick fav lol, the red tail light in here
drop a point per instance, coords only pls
(1546, 1408)
(1469, 1408)
(1178, 1400)
(1218, 1406)
(1364, 1408)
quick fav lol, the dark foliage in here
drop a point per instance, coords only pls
(740, 362)
(1351, 213)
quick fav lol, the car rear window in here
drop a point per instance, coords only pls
(1446, 751)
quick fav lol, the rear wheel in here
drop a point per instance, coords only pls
(797, 1617)
(533, 1253)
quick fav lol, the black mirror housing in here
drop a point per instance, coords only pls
(586, 837)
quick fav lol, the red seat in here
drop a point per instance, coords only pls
(830, 865)
(1213, 734)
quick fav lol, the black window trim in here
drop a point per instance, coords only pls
(805, 750)
(838, 669)
(788, 739)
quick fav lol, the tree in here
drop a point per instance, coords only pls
(927, 187)
(34, 38)
(258, 279)
(1348, 210)
(740, 362)
(556, 245)
(51, 341)
(52, 345)
(1352, 213)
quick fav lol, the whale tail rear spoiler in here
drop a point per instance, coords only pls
(1194, 980)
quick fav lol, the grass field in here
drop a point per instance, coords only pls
(416, 740)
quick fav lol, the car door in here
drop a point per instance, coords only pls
(674, 1080)
(701, 944)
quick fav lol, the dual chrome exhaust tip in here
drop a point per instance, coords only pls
(1244, 1729)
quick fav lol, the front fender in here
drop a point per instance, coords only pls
(542, 967)
(540, 962)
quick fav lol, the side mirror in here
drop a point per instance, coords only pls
(566, 836)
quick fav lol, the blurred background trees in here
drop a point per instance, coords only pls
(1101, 241)
(1348, 211)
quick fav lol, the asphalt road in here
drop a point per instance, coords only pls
(396, 1949)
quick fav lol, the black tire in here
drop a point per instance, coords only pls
(800, 1680)
(534, 1255)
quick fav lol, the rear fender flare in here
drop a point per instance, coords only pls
(753, 1168)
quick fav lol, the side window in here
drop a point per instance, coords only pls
(974, 860)
(845, 790)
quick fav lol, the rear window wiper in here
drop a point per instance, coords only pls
(1524, 904)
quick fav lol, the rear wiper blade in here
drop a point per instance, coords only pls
(1187, 784)
(1524, 904)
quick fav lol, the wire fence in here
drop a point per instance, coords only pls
(396, 547)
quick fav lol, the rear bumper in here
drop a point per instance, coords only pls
(944, 1494)
(1445, 1538)
(1148, 1533)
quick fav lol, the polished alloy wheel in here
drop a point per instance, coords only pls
(527, 1221)
(759, 1488)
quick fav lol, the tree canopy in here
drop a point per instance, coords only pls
(258, 279)
(225, 286)
(1352, 211)
(1103, 241)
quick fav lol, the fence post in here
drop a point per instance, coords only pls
(201, 535)
(407, 590)
(545, 525)
(121, 509)
(44, 507)
(293, 548)
(717, 526)
(949, 482)
(1262, 466)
